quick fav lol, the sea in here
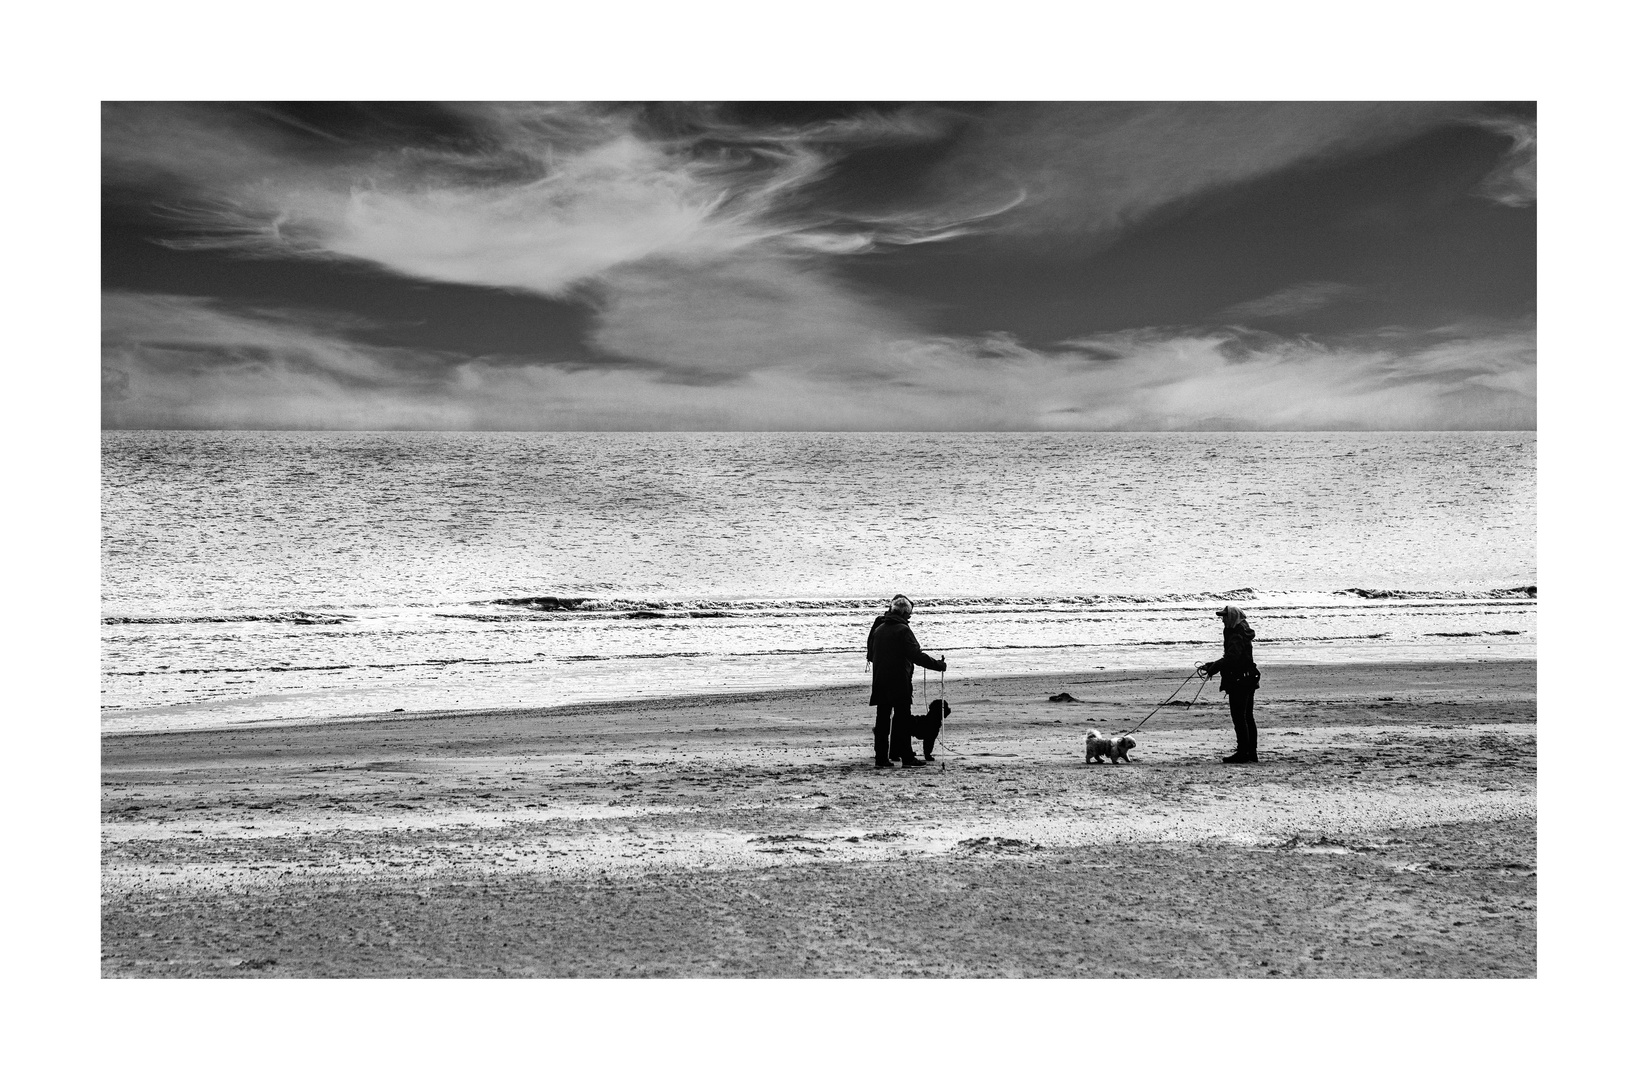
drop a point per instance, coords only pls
(268, 577)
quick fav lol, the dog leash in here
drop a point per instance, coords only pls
(1174, 693)
(943, 720)
(941, 696)
(944, 743)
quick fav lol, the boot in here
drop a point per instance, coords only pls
(911, 761)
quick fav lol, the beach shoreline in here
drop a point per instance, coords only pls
(1389, 831)
(1158, 674)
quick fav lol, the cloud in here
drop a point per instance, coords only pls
(746, 315)
(545, 198)
(1513, 181)
(1090, 169)
(709, 264)
(177, 361)
(1454, 378)
(694, 238)
(904, 124)
(1293, 300)
(174, 361)
(116, 385)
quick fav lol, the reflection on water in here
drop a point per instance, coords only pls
(250, 575)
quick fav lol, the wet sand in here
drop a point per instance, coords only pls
(1390, 830)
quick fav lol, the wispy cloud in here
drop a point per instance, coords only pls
(1513, 182)
(178, 361)
(1458, 377)
(711, 270)
(694, 238)
(1294, 300)
(548, 199)
(182, 362)
(1096, 169)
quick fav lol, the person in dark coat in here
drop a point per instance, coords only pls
(1240, 679)
(893, 652)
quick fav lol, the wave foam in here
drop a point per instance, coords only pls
(296, 618)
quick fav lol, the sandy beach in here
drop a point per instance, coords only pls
(1389, 831)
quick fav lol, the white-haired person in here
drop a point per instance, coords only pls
(893, 651)
(1240, 679)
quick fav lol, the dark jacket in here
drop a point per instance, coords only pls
(1238, 670)
(892, 650)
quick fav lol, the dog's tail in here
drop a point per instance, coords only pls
(1093, 733)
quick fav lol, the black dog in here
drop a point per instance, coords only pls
(926, 728)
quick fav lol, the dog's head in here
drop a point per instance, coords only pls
(1126, 743)
(938, 708)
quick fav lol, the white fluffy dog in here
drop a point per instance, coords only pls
(1099, 747)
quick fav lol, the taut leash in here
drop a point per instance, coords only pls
(1193, 674)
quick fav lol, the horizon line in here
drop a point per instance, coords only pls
(847, 431)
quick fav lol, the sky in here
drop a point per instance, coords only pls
(819, 266)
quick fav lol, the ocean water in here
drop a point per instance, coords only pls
(259, 576)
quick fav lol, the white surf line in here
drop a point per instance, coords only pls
(1264, 817)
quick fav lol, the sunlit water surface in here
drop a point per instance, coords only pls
(256, 576)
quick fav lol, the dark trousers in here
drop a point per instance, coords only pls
(1245, 728)
(892, 731)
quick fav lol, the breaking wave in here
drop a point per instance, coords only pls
(510, 609)
(294, 618)
(638, 608)
(1520, 592)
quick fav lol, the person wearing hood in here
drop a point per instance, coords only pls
(893, 651)
(1240, 679)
